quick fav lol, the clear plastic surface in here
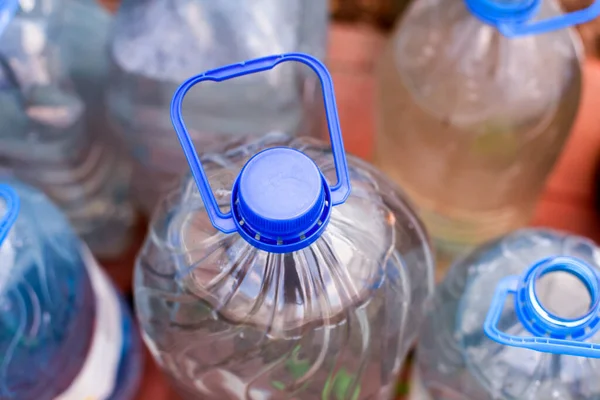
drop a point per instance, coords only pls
(44, 140)
(333, 320)
(470, 121)
(456, 360)
(49, 310)
(157, 44)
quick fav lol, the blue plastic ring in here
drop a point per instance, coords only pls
(538, 320)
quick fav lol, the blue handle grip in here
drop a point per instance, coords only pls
(224, 221)
(517, 29)
(12, 210)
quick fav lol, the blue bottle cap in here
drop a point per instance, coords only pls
(280, 200)
(518, 17)
(280, 193)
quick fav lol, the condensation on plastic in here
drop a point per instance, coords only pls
(225, 318)
(455, 355)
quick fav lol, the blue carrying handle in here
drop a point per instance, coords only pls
(551, 334)
(12, 210)
(517, 29)
(224, 221)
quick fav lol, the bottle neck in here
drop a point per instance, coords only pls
(538, 320)
(495, 12)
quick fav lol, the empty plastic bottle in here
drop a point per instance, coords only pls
(476, 98)
(519, 318)
(157, 44)
(44, 140)
(65, 333)
(276, 283)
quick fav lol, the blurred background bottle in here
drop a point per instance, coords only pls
(65, 333)
(516, 319)
(47, 137)
(157, 44)
(471, 121)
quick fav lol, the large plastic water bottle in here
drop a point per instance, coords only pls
(157, 44)
(260, 279)
(517, 319)
(43, 136)
(476, 98)
(65, 333)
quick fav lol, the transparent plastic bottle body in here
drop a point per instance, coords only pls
(44, 137)
(458, 361)
(333, 320)
(148, 65)
(65, 333)
(470, 121)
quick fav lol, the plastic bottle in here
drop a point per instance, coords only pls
(304, 289)
(65, 333)
(157, 44)
(83, 33)
(516, 319)
(44, 140)
(476, 98)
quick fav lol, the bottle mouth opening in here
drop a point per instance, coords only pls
(577, 305)
(560, 297)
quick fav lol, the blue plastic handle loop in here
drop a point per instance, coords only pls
(12, 210)
(550, 333)
(8, 9)
(551, 24)
(515, 19)
(224, 221)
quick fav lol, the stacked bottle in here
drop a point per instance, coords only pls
(65, 333)
(260, 278)
(44, 137)
(157, 44)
